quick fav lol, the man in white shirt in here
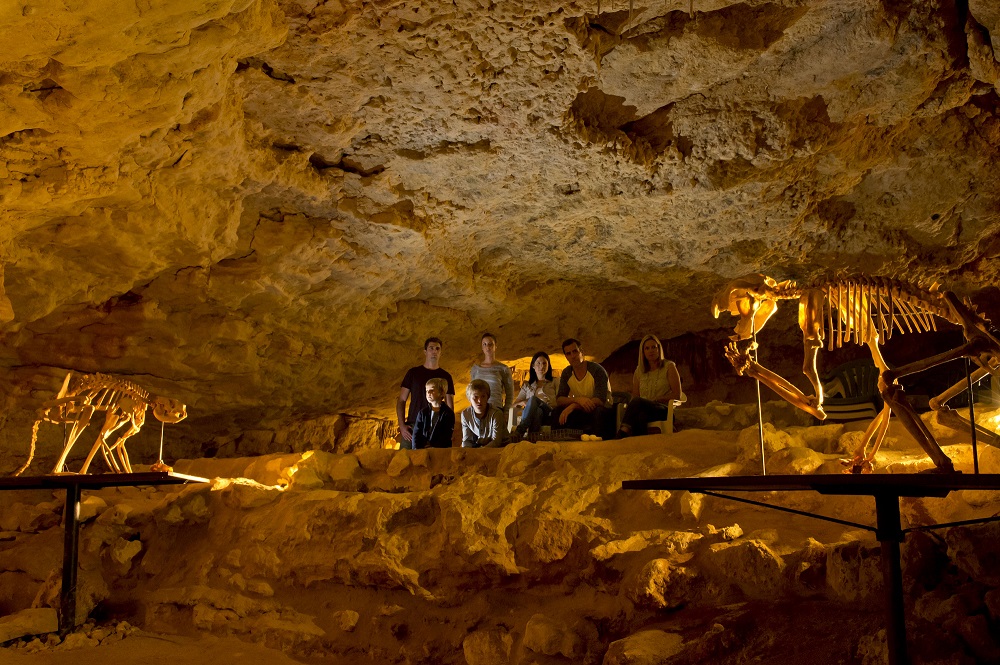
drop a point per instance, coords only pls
(584, 397)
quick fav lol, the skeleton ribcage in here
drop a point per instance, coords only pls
(105, 393)
(855, 310)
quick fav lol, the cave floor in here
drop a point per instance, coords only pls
(144, 648)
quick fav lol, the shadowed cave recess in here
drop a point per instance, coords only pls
(261, 208)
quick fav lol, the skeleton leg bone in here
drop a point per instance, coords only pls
(893, 396)
(939, 401)
(785, 390)
(892, 393)
(80, 422)
(111, 423)
(951, 419)
(811, 323)
(109, 459)
(119, 446)
(865, 463)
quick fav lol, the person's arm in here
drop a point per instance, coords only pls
(602, 384)
(446, 427)
(549, 391)
(600, 397)
(404, 429)
(635, 383)
(508, 388)
(562, 397)
(675, 386)
(522, 395)
(417, 435)
(449, 397)
(497, 434)
(564, 414)
(469, 437)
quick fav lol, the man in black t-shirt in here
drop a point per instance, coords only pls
(414, 387)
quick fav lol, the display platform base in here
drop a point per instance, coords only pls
(74, 484)
(886, 489)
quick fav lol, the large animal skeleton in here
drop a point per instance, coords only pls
(863, 310)
(123, 403)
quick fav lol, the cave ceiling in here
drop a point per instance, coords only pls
(271, 203)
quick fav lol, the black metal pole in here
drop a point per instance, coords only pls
(71, 526)
(760, 406)
(760, 431)
(972, 418)
(890, 535)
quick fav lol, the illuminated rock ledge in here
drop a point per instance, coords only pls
(531, 554)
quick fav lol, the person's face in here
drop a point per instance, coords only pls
(541, 366)
(435, 395)
(480, 400)
(433, 351)
(489, 346)
(574, 354)
(651, 350)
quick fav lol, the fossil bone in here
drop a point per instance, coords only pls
(910, 309)
(123, 403)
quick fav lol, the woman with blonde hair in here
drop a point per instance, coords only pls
(655, 384)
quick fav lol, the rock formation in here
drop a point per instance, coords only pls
(530, 554)
(264, 206)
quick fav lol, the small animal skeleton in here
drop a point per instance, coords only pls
(123, 403)
(863, 310)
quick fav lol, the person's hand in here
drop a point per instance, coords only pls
(517, 404)
(565, 414)
(406, 432)
(589, 404)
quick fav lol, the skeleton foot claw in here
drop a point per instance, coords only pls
(738, 357)
(858, 465)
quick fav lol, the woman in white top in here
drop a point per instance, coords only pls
(496, 374)
(655, 384)
(538, 396)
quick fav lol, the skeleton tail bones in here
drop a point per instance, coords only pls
(863, 310)
(123, 403)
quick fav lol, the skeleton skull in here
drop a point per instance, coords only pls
(168, 410)
(748, 298)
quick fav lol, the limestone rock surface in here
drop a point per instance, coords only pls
(28, 622)
(528, 554)
(262, 207)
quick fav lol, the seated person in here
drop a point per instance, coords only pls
(537, 396)
(584, 396)
(655, 384)
(482, 423)
(435, 423)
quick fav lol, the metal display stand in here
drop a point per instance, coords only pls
(886, 489)
(74, 484)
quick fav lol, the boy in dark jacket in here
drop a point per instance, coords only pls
(435, 423)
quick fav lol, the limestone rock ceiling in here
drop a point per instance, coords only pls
(246, 202)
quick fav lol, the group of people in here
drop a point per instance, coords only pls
(579, 399)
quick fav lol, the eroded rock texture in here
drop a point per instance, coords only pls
(530, 554)
(264, 206)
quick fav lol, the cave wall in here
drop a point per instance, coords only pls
(262, 207)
